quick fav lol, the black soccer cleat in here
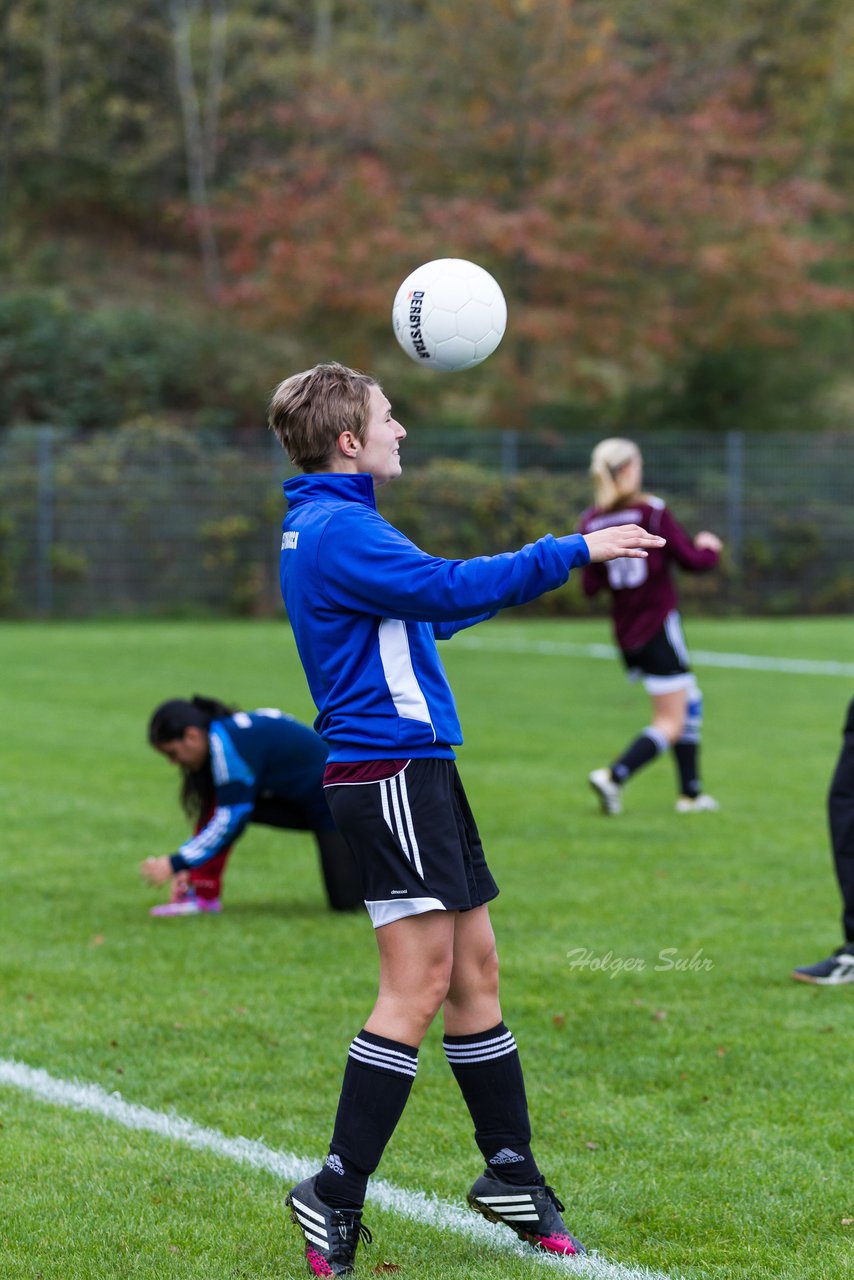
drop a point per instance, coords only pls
(532, 1212)
(331, 1235)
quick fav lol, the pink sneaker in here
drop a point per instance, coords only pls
(188, 905)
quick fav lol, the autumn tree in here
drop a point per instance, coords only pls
(634, 216)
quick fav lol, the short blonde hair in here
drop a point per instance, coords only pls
(309, 410)
(608, 469)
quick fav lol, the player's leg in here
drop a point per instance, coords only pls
(206, 880)
(483, 1056)
(198, 889)
(686, 753)
(840, 809)
(641, 751)
(341, 875)
(404, 836)
(662, 664)
(838, 968)
(416, 958)
(668, 717)
(482, 1053)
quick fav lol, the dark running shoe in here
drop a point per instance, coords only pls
(532, 1212)
(832, 972)
(331, 1235)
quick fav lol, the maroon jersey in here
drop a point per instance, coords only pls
(642, 591)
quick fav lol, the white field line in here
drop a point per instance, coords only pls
(427, 1210)
(700, 657)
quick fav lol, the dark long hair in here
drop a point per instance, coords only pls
(168, 723)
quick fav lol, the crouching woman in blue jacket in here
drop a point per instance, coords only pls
(242, 767)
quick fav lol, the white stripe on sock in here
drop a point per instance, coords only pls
(482, 1051)
(387, 1064)
(381, 1048)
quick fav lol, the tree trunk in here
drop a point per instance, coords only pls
(194, 144)
(53, 75)
(216, 79)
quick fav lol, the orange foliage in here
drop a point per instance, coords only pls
(631, 219)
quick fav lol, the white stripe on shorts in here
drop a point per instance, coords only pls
(667, 684)
(387, 910)
(404, 800)
(397, 813)
(397, 826)
(674, 633)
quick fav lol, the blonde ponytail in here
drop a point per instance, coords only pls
(607, 467)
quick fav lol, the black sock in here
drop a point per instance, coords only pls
(646, 747)
(686, 754)
(489, 1073)
(377, 1081)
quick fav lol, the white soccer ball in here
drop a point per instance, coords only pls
(449, 314)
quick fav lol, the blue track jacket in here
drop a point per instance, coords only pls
(367, 607)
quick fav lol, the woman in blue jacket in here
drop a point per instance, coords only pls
(367, 607)
(242, 767)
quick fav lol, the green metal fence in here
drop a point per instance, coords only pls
(153, 519)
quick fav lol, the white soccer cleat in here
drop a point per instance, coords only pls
(608, 791)
(697, 804)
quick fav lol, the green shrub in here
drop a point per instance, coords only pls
(95, 367)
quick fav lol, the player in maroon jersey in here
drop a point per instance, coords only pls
(647, 624)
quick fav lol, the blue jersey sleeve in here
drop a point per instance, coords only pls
(444, 630)
(375, 569)
(226, 824)
(234, 787)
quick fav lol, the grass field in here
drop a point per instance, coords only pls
(693, 1110)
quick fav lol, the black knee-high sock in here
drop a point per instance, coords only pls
(641, 751)
(489, 1073)
(377, 1081)
(686, 754)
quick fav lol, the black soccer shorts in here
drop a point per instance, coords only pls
(662, 663)
(415, 840)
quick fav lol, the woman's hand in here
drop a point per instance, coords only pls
(706, 541)
(621, 540)
(156, 870)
